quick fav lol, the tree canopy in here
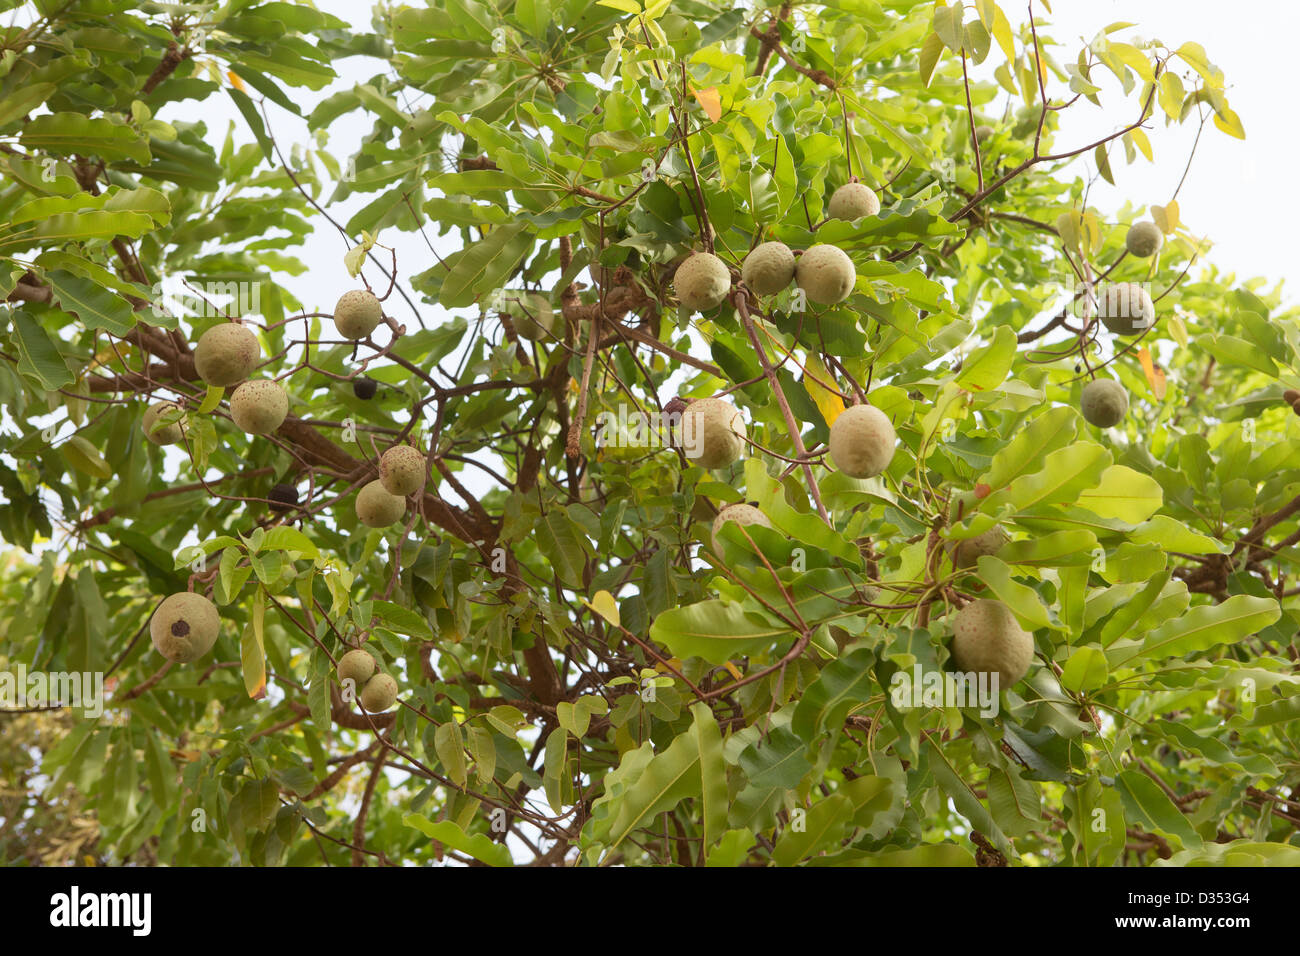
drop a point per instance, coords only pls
(590, 668)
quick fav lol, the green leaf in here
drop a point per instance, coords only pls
(40, 357)
(483, 267)
(85, 457)
(1207, 625)
(398, 618)
(450, 747)
(987, 368)
(69, 133)
(1124, 494)
(1086, 670)
(477, 845)
(1146, 803)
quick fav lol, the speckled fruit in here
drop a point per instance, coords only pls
(826, 274)
(967, 552)
(1104, 402)
(987, 639)
(742, 515)
(982, 133)
(402, 470)
(357, 666)
(531, 314)
(853, 201)
(1126, 308)
(379, 694)
(357, 313)
(226, 354)
(377, 508)
(702, 282)
(184, 627)
(259, 407)
(712, 433)
(1144, 239)
(862, 441)
(162, 434)
(769, 268)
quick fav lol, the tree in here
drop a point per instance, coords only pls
(588, 668)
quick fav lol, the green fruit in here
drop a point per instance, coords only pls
(226, 354)
(742, 515)
(712, 432)
(1104, 402)
(768, 269)
(702, 282)
(357, 313)
(1125, 308)
(853, 201)
(1144, 239)
(259, 407)
(825, 274)
(379, 694)
(982, 133)
(184, 627)
(862, 441)
(967, 553)
(377, 508)
(357, 666)
(402, 470)
(530, 313)
(987, 639)
(162, 434)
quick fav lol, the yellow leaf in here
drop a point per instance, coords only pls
(711, 101)
(1140, 140)
(732, 669)
(603, 603)
(668, 666)
(815, 383)
(235, 81)
(1155, 376)
(1178, 329)
(1171, 215)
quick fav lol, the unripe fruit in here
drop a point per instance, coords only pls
(282, 497)
(769, 268)
(853, 201)
(742, 515)
(364, 388)
(862, 441)
(357, 666)
(402, 470)
(259, 407)
(713, 433)
(702, 282)
(982, 133)
(1143, 239)
(357, 313)
(377, 508)
(968, 552)
(1104, 402)
(161, 434)
(226, 354)
(987, 638)
(1126, 308)
(530, 313)
(826, 274)
(379, 694)
(184, 627)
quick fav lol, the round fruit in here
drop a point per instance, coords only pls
(282, 497)
(184, 627)
(702, 282)
(162, 434)
(357, 666)
(713, 433)
(357, 313)
(982, 133)
(1291, 396)
(1104, 402)
(1126, 308)
(826, 274)
(862, 441)
(364, 388)
(968, 552)
(376, 508)
(987, 638)
(769, 268)
(402, 470)
(742, 515)
(226, 354)
(1144, 239)
(379, 694)
(259, 407)
(853, 201)
(531, 314)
